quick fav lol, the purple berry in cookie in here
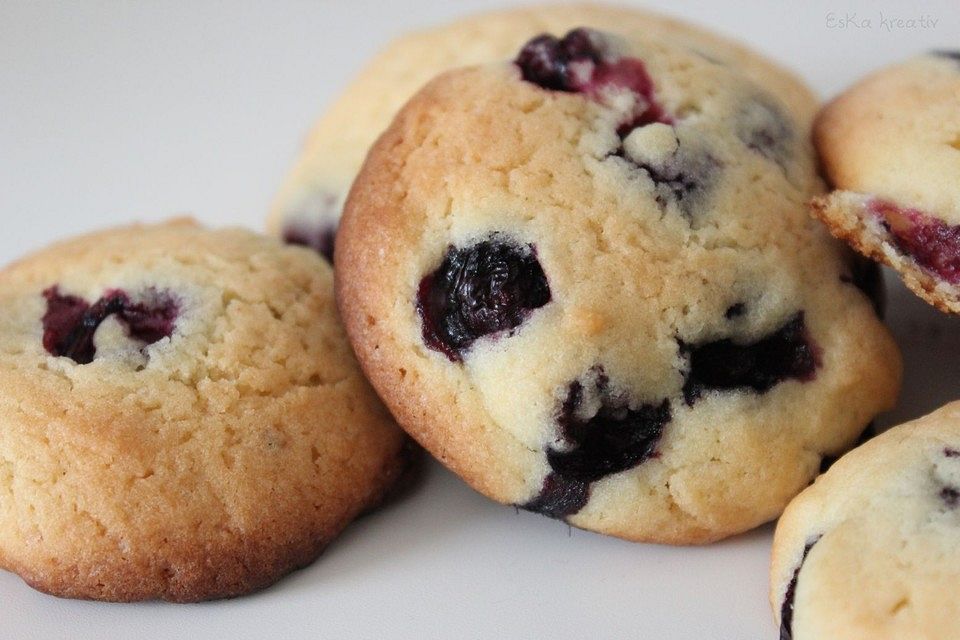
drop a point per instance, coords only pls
(930, 242)
(69, 323)
(943, 53)
(735, 311)
(313, 223)
(64, 314)
(487, 288)
(320, 238)
(726, 365)
(950, 496)
(150, 321)
(786, 611)
(581, 62)
(560, 497)
(950, 452)
(763, 128)
(684, 177)
(552, 63)
(614, 439)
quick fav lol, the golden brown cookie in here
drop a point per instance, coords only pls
(181, 415)
(890, 146)
(869, 551)
(588, 283)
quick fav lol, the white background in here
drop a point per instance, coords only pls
(113, 111)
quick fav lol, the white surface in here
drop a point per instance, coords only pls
(118, 111)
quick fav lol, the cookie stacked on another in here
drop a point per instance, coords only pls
(891, 146)
(181, 415)
(588, 283)
(307, 208)
(869, 551)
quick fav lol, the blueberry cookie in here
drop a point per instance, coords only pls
(869, 551)
(891, 147)
(587, 281)
(181, 416)
(308, 205)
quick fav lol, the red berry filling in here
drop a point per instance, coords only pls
(930, 242)
(581, 62)
(70, 323)
(615, 439)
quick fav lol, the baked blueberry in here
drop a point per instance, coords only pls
(765, 129)
(788, 353)
(930, 242)
(319, 237)
(69, 323)
(786, 610)
(486, 288)
(944, 53)
(583, 62)
(599, 442)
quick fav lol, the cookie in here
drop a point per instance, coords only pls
(181, 416)
(308, 205)
(869, 551)
(588, 283)
(891, 147)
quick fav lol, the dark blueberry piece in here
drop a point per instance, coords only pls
(684, 178)
(674, 182)
(63, 314)
(69, 323)
(950, 496)
(943, 53)
(614, 439)
(950, 452)
(764, 128)
(583, 44)
(319, 238)
(486, 288)
(866, 275)
(547, 61)
(560, 497)
(930, 242)
(724, 365)
(580, 63)
(735, 311)
(151, 321)
(786, 611)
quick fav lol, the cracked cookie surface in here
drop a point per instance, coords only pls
(890, 146)
(307, 207)
(869, 551)
(645, 363)
(181, 417)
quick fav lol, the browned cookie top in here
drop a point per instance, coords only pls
(587, 281)
(181, 415)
